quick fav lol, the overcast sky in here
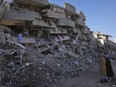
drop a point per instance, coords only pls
(100, 14)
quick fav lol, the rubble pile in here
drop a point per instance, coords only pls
(41, 43)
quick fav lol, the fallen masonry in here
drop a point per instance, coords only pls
(41, 43)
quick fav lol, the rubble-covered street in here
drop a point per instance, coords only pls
(52, 70)
(45, 45)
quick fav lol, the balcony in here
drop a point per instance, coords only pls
(25, 14)
(37, 3)
(53, 14)
(66, 22)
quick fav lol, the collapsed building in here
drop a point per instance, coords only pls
(46, 21)
(49, 29)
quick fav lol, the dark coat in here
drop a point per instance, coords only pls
(109, 69)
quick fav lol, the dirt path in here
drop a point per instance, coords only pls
(89, 78)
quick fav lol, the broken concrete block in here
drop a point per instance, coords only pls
(1, 51)
(85, 30)
(83, 47)
(58, 31)
(76, 30)
(2, 39)
(8, 36)
(1, 28)
(56, 8)
(40, 23)
(10, 64)
(52, 14)
(66, 22)
(65, 37)
(84, 43)
(70, 8)
(60, 38)
(80, 22)
(82, 16)
(4, 7)
(4, 28)
(52, 24)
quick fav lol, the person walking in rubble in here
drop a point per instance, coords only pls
(102, 68)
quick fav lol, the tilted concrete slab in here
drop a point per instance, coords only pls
(38, 3)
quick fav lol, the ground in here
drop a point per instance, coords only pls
(89, 78)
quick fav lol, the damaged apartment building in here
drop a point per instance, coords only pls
(45, 26)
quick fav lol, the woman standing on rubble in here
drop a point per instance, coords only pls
(102, 67)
